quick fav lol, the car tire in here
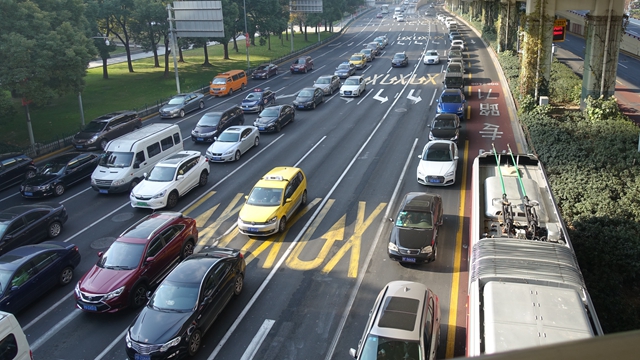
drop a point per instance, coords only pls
(194, 342)
(181, 113)
(304, 198)
(204, 177)
(103, 144)
(133, 184)
(256, 141)
(242, 87)
(230, 92)
(305, 70)
(54, 229)
(238, 285)
(237, 156)
(187, 249)
(278, 127)
(66, 275)
(314, 105)
(282, 224)
(201, 105)
(241, 121)
(172, 199)
(293, 117)
(29, 174)
(138, 296)
(59, 189)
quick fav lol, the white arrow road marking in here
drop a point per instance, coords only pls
(419, 43)
(349, 44)
(473, 42)
(413, 98)
(379, 98)
(348, 100)
(401, 43)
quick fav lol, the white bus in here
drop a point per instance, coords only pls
(385, 8)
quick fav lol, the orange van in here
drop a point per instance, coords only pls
(227, 82)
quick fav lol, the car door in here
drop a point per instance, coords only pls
(15, 235)
(9, 171)
(21, 289)
(46, 270)
(169, 255)
(36, 227)
(319, 96)
(245, 141)
(289, 193)
(190, 179)
(155, 261)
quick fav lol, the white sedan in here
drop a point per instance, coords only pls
(431, 57)
(232, 143)
(458, 43)
(438, 163)
(353, 86)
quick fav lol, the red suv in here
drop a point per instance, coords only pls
(302, 65)
(137, 261)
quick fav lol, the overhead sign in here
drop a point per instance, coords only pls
(198, 19)
(558, 33)
(305, 6)
(560, 22)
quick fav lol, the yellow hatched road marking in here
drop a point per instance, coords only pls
(198, 203)
(231, 209)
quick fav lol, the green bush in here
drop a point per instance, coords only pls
(565, 86)
(602, 109)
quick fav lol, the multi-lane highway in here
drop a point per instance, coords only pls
(308, 292)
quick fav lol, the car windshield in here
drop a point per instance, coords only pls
(398, 56)
(451, 99)
(454, 68)
(254, 96)
(229, 137)
(95, 126)
(3, 228)
(444, 123)
(305, 93)
(438, 152)
(121, 256)
(323, 80)
(356, 57)
(116, 159)
(219, 81)
(53, 167)
(269, 112)
(343, 67)
(414, 220)
(176, 100)
(162, 174)
(432, 53)
(455, 54)
(209, 120)
(261, 67)
(175, 296)
(351, 82)
(301, 61)
(5, 276)
(365, 51)
(265, 197)
(378, 347)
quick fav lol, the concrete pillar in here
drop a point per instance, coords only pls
(603, 35)
(508, 25)
(536, 57)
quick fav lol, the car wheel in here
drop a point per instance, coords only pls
(239, 284)
(30, 173)
(55, 228)
(133, 184)
(138, 296)
(204, 177)
(314, 105)
(237, 157)
(187, 249)
(66, 275)
(273, 101)
(182, 113)
(293, 117)
(242, 87)
(435, 252)
(201, 105)
(58, 189)
(305, 70)
(256, 141)
(278, 127)
(172, 199)
(230, 92)
(103, 143)
(282, 225)
(241, 121)
(304, 198)
(194, 342)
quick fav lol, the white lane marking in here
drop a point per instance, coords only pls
(253, 347)
(113, 343)
(97, 221)
(365, 96)
(282, 88)
(309, 152)
(50, 309)
(72, 196)
(10, 196)
(622, 65)
(356, 288)
(433, 97)
(42, 339)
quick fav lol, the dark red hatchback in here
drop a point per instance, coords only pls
(137, 261)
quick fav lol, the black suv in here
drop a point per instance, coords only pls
(212, 124)
(14, 168)
(97, 134)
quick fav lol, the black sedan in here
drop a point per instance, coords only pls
(29, 272)
(308, 98)
(265, 71)
(28, 224)
(414, 234)
(14, 168)
(58, 173)
(275, 117)
(399, 60)
(445, 127)
(185, 305)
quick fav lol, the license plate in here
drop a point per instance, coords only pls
(434, 180)
(142, 357)
(216, 158)
(103, 191)
(90, 307)
(28, 194)
(79, 146)
(253, 230)
(142, 203)
(300, 106)
(200, 139)
(408, 259)
(261, 128)
(347, 92)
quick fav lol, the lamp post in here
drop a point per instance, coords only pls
(246, 33)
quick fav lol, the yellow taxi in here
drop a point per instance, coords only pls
(358, 60)
(272, 201)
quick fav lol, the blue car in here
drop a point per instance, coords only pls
(257, 100)
(345, 70)
(28, 272)
(452, 101)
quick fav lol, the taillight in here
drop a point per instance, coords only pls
(31, 354)
(75, 248)
(241, 255)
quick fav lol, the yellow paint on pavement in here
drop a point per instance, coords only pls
(198, 203)
(231, 210)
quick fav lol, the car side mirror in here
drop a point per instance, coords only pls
(246, 197)
(455, 158)
(100, 253)
(419, 156)
(391, 219)
(14, 288)
(352, 352)
(145, 175)
(215, 138)
(288, 200)
(149, 259)
(180, 177)
(136, 165)
(148, 294)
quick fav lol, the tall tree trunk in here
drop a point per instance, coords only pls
(206, 56)
(181, 59)
(305, 33)
(225, 50)
(154, 47)
(105, 72)
(269, 40)
(235, 43)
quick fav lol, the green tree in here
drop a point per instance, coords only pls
(100, 26)
(148, 20)
(119, 16)
(230, 14)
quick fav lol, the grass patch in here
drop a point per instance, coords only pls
(144, 88)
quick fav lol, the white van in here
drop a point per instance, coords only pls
(128, 157)
(13, 343)
(397, 12)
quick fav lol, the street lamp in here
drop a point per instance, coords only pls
(246, 33)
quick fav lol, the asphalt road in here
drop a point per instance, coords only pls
(309, 290)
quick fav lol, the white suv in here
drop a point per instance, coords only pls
(170, 179)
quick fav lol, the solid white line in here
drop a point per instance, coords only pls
(50, 309)
(622, 65)
(113, 343)
(354, 291)
(257, 340)
(433, 97)
(71, 197)
(10, 196)
(365, 96)
(42, 339)
(97, 221)
(309, 152)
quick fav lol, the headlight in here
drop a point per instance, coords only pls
(223, 88)
(450, 172)
(127, 340)
(272, 220)
(420, 173)
(77, 289)
(461, 108)
(44, 187)
(93, 139)
(393, 247)
(228, 152)
(159, 195)
(172, 342)
(426, 249)
(431, 137)
(93, 181)
(175, 111)
(207, 134)
(117, 182)
(115, 293)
